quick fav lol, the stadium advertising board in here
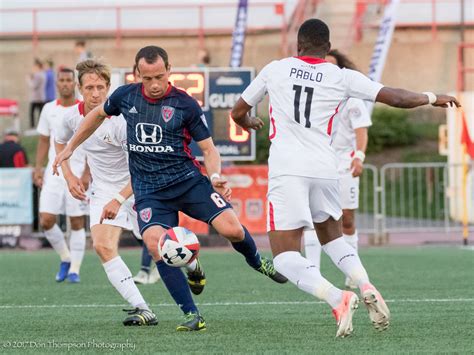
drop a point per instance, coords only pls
(16, 205)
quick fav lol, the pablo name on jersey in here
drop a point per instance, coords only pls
(306, 75)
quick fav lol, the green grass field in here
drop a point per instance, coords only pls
(429, 291)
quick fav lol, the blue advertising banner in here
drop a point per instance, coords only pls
(16, 196)
(238, 36)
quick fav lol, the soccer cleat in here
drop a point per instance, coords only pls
(197, 279)
(63, 270)
(268, 269)
(350, 284)
(379, 313)
(154, 275)
(192, 322)
(138, 317)
(344, 312)
(73, 278)
(141, 278)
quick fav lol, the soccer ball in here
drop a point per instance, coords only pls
(178, 246)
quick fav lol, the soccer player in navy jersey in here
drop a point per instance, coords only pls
(161, 122)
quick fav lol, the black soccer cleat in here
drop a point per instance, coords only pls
(197, 279)
(268, 269)
(192, 322)
(138, 317)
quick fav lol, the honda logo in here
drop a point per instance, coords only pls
(148, 133)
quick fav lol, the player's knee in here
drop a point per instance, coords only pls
(151, 243)
(233, 232)
(47, 222)
(106, 251)
(77, 223)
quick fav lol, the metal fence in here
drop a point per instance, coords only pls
(415, 197)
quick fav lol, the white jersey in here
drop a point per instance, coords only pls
(52, 117)
(354, 115)
(107, 159)
(305, 94)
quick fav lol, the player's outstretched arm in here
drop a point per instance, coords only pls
(89, 124)
(241, 117)
(74, 184)
(408, 99)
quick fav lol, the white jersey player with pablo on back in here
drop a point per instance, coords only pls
(55, 197)
(108, 162)
(306, 93)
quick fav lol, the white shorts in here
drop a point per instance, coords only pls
(126, 217)
(56, 199)
(349, 187)
(296, 201)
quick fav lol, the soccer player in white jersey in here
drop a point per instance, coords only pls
(111, 204)
(350, 144)
(306, 93)
(55, 198)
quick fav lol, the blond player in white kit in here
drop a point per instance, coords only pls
(350, 145)
(111, 201)
(306, 93)
(55, 198)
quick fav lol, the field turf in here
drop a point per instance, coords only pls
(430, 291)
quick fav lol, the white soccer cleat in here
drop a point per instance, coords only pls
(141, 278)
(154, 275)
(379, 313)
(350, 284)
(344, 312)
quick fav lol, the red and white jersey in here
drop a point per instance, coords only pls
(52, 117)
(305, 94)
(354, 115)
(105, 149)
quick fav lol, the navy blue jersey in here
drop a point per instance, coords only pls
(159, 132)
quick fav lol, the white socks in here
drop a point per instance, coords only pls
(346, 259)
(121, 278)
(306, 276)
(352, 240)
(55, 237)
(77, 243)
(312, 247)
(191, 266)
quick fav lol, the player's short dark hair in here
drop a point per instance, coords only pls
(313, 34)
(67, 70)
(80, 43)
(151, 54)
(342, 60)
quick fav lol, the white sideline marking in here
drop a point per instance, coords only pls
(225, 304)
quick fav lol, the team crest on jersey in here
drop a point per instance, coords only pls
(145, 214)
(167, 112)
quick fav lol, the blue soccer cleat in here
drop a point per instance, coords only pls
(63, 271)
(73, 278)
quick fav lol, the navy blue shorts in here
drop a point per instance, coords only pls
(200, 201)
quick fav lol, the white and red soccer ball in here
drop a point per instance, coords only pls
(178, 246)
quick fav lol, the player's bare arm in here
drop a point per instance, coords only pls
(74, 184)
(407, 99)
(111, 209)
(361, 137)
(240, 116)
(86, 176)
(212, 162)
(41, 154)
(89, 125)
